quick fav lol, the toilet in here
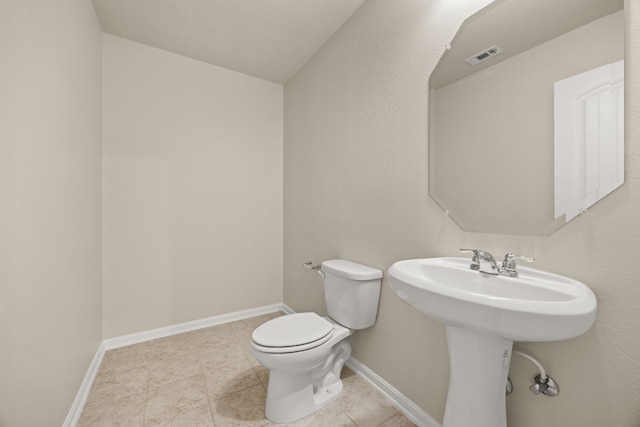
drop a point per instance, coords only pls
(305, 352)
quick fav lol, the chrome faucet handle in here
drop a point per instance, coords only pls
(483, 261)
(509, 264)
(510, 260)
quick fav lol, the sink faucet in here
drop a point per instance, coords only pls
(484, 262)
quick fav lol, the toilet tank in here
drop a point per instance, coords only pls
(351, 293)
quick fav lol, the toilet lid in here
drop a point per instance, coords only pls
(292, 330)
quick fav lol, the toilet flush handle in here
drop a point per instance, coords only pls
(310, 266)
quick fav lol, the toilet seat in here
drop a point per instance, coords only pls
(292, 333)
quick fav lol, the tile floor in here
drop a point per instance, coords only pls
(208, 378)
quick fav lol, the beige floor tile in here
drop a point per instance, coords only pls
(178, 367)
(244, 336)
(114, 411)
(198, 417)
(399, 420)
(348, 376)
(175, 398)
(263, 374)
(229, 378)
(210, 378)
(331, 415)
(317, 420)
(227, 331)
(126, 357)
(245, 408)
(119, 383)
(223, 354)
(215, 334)
(175, 346)
(365, 406)
(249, 356)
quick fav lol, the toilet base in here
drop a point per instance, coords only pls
(294, 396)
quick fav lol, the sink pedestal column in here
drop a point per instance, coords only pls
(479, 365)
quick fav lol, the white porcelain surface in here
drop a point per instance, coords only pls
(351, 292)
(305, 353)
(537, 306)
(295, 332)
(350, 270)
(299, 361)
(302, 382)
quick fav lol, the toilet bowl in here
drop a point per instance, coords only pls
(305, 352)
(304, 376)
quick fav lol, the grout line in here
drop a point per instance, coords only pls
(206, 386)
(146, 392)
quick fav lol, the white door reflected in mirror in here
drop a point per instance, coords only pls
(588, 138)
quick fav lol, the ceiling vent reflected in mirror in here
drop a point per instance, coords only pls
(483, 56)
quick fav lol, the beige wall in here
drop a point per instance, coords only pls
(50, 206)
(192, 189)
(356, 188)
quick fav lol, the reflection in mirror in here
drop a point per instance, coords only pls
(492, 130)
(588, 138)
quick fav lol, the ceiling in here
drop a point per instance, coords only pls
(269, 40)
(515, 26)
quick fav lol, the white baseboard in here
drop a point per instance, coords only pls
(399, 400)
(180, 328)
(410, 409)
(81, 398)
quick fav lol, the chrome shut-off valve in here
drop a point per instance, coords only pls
(544, 385)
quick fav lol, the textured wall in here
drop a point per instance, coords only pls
(50, 206)
(192, 189)
(356, 188)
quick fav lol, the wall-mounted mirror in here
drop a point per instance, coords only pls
(493, 135)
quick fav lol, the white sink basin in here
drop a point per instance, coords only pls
(483, 314)
(536, 306)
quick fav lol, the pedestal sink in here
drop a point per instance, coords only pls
(483, 314)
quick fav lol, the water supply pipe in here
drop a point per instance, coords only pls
(543, 384)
